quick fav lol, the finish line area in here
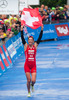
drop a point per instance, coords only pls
(52, 81)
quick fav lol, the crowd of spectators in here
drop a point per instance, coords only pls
(10, 24)
(55, 13)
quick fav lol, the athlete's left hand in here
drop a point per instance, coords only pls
(42, 27)
(22, 27)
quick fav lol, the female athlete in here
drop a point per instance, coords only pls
(30, 55)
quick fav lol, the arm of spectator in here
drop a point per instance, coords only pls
(43, 17)
(3, 36)
(10, 35)
(7, 33)
(55, 12)
(57, 15)
(30, 7)
(46, 16)
(65, 17)
(11, 32)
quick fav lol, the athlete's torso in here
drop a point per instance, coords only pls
(30, 55)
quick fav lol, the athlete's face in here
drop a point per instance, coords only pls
(30, 41)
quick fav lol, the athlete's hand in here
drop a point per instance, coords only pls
(42, 27)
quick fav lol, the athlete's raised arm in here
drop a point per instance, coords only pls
(23, 40)
(39, 38)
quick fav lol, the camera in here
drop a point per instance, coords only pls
(16, 27)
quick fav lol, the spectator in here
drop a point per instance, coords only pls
(2, 35)
(46, 8)
(19, 23)
(42, 6)
(65, 11)
(62, 15)
(9, 33)
(41, 11)
(49, 15)
(15, 19)
(7, 24)
(53, 13)
(44, 16)
(2, 25)
(57, 15)
(11, 21)
(57, 7)
(15, 29)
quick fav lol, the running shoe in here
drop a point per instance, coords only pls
(29, 94)
(32, 87)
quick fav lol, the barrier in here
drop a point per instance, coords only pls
(4, 58)
(2, 64)
(1, 72)
(14, 48)
(11, 50)
(6, 55)
(2, 68)
(17, 43)
(49, 32)
(62, 30)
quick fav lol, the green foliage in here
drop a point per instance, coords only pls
(53, 3)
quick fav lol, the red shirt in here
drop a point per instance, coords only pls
(30, 55)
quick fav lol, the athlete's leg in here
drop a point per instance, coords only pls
(33, 78)
(33, 73)
(28, 81)
(33, 81)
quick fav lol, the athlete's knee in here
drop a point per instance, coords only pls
(28, 80)
(33, 81)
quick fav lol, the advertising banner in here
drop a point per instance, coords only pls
(62, 30)
(33, 2)
(2, 64)
(9, 7)
(1, 72)
(23, 4)
(49, 32)
(11, 50)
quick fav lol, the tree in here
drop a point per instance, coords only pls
(53, 3)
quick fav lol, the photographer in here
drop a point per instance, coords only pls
(15, 29)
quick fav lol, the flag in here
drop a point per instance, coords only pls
(31, 18)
